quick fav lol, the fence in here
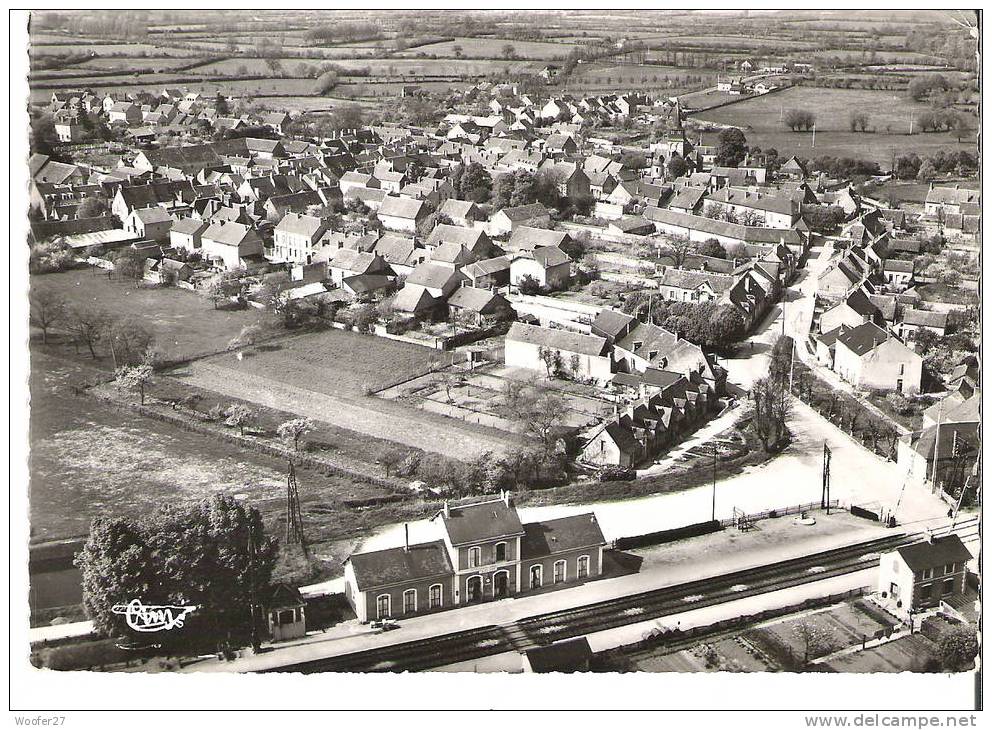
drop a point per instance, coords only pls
(663, 536)
(779, 512)
(660, 636)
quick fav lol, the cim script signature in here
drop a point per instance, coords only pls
(152, 618)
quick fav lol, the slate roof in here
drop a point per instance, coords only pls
(155, 214)
(863, 338)
(351, 260)
(396, 565)
(924, 318)
(756, 201)
(952, 196)
(526, 238)
(189, 226)
(476, 300)
(412, 300)
(458, 208)
(431, 275)
(549, 256)
(940, 552)
(612, 323)
(444, 233)
(300, 225)
(474, 523)
(558, 339)
(227, 232)
(401, 207)
(898, 266)
(487, 267)
(557, 536)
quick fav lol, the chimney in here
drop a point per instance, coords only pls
(406, 537)
(447, 509)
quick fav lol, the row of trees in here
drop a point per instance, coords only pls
(91, 327)
(799, 120)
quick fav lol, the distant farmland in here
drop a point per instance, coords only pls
(889, 114)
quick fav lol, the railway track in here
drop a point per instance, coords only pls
(527, 633)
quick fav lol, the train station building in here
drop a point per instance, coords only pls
(486, 554)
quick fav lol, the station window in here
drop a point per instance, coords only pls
(583, 566)
(500, 552)
(560, 571)
(410, 601)
(474, 556)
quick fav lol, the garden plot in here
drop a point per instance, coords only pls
(836, 628)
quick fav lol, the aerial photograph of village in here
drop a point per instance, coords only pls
(503, 341)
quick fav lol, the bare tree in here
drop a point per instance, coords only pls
(677, 249)
(88, 325)
(543, 418)
(48, 307)
(771, 409)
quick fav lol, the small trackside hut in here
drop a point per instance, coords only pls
(485, 554)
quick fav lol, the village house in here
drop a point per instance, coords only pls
(461, 212)
(493, 273)
(898, 274)
(477, 304)
(586, 356)
(187, 234)
(914, 320)
(231, 244)
(402, 214)
(869, 357)
(773, 210)
(509, 219)
(549, 266)
(919, 576)
(853, 311)
(296, 237)
(149, 223)
(948, 200)
(347, 262)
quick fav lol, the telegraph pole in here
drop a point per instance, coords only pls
(713, 514)
(825, 493)
(255, 643)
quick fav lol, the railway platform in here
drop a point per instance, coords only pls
(714, 555)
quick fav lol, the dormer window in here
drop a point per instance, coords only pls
(637, 345)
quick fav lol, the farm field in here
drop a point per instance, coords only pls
(88, 458)
(493, 48)
(183, 323)
(889, 114)
(324, 376)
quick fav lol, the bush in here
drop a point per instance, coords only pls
(617, 474)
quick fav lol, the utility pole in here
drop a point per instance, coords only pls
(792, 363)
(713, 514)
(253, 598)
(936, 447)
(814, 136)
(825, 493)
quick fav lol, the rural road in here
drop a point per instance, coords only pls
(379, 418)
